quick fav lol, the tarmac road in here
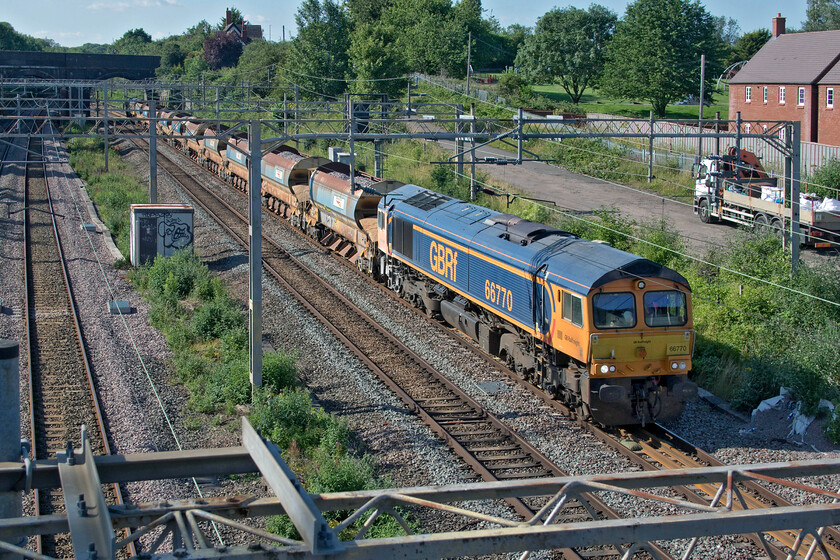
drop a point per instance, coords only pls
(581, 193)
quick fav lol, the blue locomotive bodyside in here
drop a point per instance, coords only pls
(456, 243)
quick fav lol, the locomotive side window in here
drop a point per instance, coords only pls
(573, 309)
(665, 309)
(614, 310)
(381, 220)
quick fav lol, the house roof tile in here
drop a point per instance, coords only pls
(795, 58)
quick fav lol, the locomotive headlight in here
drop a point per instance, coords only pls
(641, 285)
(612, 369)
(682, 365)
(605, 368)
(674, 365)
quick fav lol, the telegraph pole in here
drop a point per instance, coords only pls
(700, 122)
(469, 55)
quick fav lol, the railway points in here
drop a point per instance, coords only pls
(253, 551)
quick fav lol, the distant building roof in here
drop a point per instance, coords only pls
(795, 58)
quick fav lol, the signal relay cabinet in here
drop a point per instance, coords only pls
(159, 229)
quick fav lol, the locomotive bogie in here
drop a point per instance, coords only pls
(573, 317)
(608, 332)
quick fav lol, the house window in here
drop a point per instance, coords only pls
(783, 134)
(747, 128)
(801, 100)
(748, 95)
(829, 97)
(765, 94)
(781, 94)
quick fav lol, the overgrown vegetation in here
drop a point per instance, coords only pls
(113, 191)
(759, 325)
(206, 331)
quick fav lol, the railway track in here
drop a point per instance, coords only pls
(661, 449)
(492, 450)
(62, 394)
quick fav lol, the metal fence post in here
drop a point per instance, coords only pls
(153, 154)
(650, 150)
(795, 236)
(10, 502)
(105, 121)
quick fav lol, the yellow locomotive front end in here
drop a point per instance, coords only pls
(641, 339)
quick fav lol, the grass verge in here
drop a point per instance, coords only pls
(206, 330)
(112, 191)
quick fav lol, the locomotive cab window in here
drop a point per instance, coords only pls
(381, 221)
(573, 309)
(614, 310)
(665, 309)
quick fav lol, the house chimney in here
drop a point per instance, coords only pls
(228, 22)
(778, 25)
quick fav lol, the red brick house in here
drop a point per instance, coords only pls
(792, 77)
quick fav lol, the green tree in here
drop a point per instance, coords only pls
(568, 45)
(823, 15)
(260, 61)
(235, 17)
(366, 11)
(320, 48)
(11, 40)
(727, 29)
(133, 41)
(375, 61)
(747, 45)
(434, 34)
(654, 54)
(171, 57)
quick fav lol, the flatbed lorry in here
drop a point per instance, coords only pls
(737, 190)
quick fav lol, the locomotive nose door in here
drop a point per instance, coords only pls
(542, 299)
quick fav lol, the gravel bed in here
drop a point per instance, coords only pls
(12, 292)
(405, 450)
(407, 453)
(570, 447)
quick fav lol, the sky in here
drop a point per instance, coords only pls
(75, 22)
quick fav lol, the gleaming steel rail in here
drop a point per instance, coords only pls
(485, 443)
(62, 393)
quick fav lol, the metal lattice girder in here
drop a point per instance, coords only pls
(297, 503)
(87, 512)
(180, 517)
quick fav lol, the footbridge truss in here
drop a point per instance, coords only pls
(98, 530)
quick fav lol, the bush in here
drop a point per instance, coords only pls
(289, 417)
(280, 371)
(826, 179)
(216, 317)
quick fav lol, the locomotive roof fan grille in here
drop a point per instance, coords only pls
(427, 200)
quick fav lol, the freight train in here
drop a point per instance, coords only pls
(607, 332)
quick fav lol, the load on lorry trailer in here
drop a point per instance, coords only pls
(735, 188)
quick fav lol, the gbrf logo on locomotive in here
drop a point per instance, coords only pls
(443, 260)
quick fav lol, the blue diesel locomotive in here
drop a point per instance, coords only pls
(606, 331)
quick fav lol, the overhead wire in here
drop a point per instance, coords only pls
(686, 255)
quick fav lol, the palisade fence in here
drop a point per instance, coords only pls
(670, 152)
(680, 152)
